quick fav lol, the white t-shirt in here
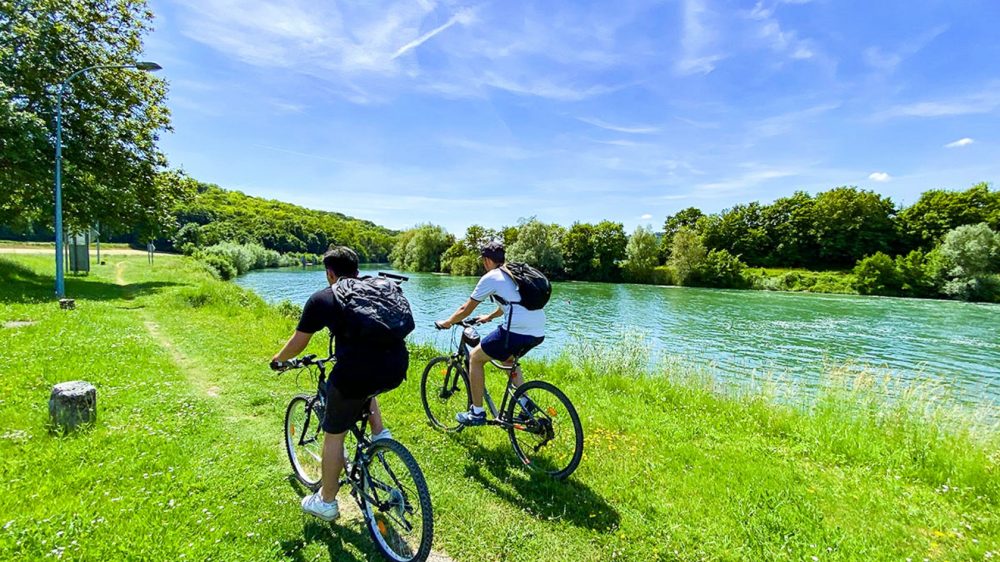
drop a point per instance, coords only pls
(522, 321)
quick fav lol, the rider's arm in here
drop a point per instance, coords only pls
(462, 313)
(495, 314)
(295, 345)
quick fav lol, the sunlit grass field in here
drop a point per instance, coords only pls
(186, 461)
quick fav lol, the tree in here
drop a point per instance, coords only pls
(578, 251)
(939, 211)
(686, 218)
(687, 254)
(971, 254)
(742, 231)
(852, 223)
(791, 224)
(420, 248)
(609, 243)
(641, 255)
(112, 118)
(538, 244)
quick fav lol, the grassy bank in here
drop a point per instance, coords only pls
(187, 462)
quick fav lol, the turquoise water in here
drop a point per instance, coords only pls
(739, 334)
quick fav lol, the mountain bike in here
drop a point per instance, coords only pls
(384, 478)
(541, 422)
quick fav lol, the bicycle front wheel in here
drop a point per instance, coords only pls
(545, 429)
(396, 503)
(304, 441)
(445, 392)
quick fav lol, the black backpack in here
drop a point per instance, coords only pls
(532, 285)
(375, 308)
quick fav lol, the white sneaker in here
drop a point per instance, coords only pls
(314, 505)
(384, 434)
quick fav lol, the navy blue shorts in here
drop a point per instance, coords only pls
(499, 346)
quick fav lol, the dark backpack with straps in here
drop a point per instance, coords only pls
(374, 308)
(533, 287)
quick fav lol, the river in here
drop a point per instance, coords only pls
(735, 334)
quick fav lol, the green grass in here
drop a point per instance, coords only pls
(187, 461)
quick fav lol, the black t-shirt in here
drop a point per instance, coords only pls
(362, 368)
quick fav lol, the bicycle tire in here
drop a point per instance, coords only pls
(444, 391)
(536, 424)
(308, 469)
(385, 524)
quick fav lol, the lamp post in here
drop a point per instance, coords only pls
(147, 66)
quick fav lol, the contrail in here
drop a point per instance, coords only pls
(462, 16)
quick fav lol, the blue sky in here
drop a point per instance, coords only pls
(484, 112)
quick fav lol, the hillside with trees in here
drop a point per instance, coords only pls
(943, 245)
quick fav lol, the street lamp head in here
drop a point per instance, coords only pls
(148, 66)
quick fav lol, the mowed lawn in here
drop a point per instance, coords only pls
(187, 461)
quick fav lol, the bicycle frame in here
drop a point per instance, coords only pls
(463, 355)
(357, 475)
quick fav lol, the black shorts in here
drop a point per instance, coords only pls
(341, 412)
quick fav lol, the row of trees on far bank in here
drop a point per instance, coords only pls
(833, 230)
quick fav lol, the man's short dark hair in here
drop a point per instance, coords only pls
(342, 261)
(493, 250)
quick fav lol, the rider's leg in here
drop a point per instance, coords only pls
(333, 465)
(477, 379)
(375, 418)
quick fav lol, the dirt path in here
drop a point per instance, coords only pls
(194, 373)
(119, 274)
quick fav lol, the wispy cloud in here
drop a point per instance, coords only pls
(986, 101)
(887, 60)
(960, 143)
(646, 217)
(698, 38)
(632, 129)
(789, 121)
(751, 178)
(780, 40)
(879, 176)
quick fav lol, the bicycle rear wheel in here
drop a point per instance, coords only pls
(304, 441)
(547, 434)
(444, 392)
(396, 503)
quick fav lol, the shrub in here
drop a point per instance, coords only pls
(877, 275)
(720, 269)
(289, 310)
(220, 266)
(914, 275)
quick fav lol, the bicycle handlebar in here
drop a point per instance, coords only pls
(300, 362)
(467, 323)
(397, 278)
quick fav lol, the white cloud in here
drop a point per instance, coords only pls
(698, 38)
(879, 176)
(646, 217)
(633, 129)
(960, 143)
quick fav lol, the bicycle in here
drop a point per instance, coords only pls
(533, 414)
(397, 514)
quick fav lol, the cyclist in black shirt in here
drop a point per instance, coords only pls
(361, 370)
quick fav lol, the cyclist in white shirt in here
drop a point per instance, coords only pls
(520, 331)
